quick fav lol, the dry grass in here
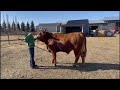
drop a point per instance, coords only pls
(102, 61)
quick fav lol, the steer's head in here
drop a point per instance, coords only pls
(44, 36)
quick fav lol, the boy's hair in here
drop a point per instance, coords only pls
(32, 30)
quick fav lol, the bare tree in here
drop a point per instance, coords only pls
(13, 26)
(9, 27)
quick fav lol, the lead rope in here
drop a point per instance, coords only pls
(59, 46)
(37, 51)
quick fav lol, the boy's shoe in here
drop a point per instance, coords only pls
(35, 67)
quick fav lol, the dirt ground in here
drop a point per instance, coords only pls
(102, 61)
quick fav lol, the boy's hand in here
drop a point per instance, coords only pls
(18, 38)
(35, 37)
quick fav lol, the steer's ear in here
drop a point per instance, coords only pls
(45, 30)
(40, 33)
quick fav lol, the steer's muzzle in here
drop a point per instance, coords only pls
(36, 37)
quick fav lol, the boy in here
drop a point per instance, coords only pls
(31, 44)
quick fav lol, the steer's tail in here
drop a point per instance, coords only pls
(84, 47)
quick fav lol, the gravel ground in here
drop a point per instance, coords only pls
(102, 61)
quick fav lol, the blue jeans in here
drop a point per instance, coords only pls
(32, 62)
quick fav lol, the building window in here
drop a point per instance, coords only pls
(58, 28)
(40, 28)
(118, 24)
(104, 24)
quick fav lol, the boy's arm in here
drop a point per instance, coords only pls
(21, 39)
(27, 38)
(24, 39)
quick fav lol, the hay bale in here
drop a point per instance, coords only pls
(101, 33)
(110, 34)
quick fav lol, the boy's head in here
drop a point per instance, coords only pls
(32, 31)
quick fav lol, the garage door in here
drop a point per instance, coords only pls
(73, 29)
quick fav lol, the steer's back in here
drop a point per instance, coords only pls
(73, 38)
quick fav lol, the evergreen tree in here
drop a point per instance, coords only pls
(9, 27)
(4, 26)
(0, 27)
(18, 26)
(32, 26)
(23, 26)
(28, 27)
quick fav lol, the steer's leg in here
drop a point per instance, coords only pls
(83, 59)
(54, 58)
(53, 51)
(53, 61)
(77, 55)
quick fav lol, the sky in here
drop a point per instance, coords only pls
(55, 16)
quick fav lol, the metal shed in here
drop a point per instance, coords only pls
(95, 24)
(112, 22)
(51, 27)
(77, 26)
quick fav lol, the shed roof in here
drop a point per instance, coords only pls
(111, 18)
(77, 22)
(49, 24)
(96, 21)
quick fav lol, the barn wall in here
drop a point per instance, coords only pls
(50, 28)
(110, 26)
(107, 26)
(86, 29)
(103, 26)
(63, 29)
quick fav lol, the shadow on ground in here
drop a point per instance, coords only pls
(87, 67)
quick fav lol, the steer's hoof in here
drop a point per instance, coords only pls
(83, 64)
(49, 51)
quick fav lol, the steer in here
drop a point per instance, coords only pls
(59, 42)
